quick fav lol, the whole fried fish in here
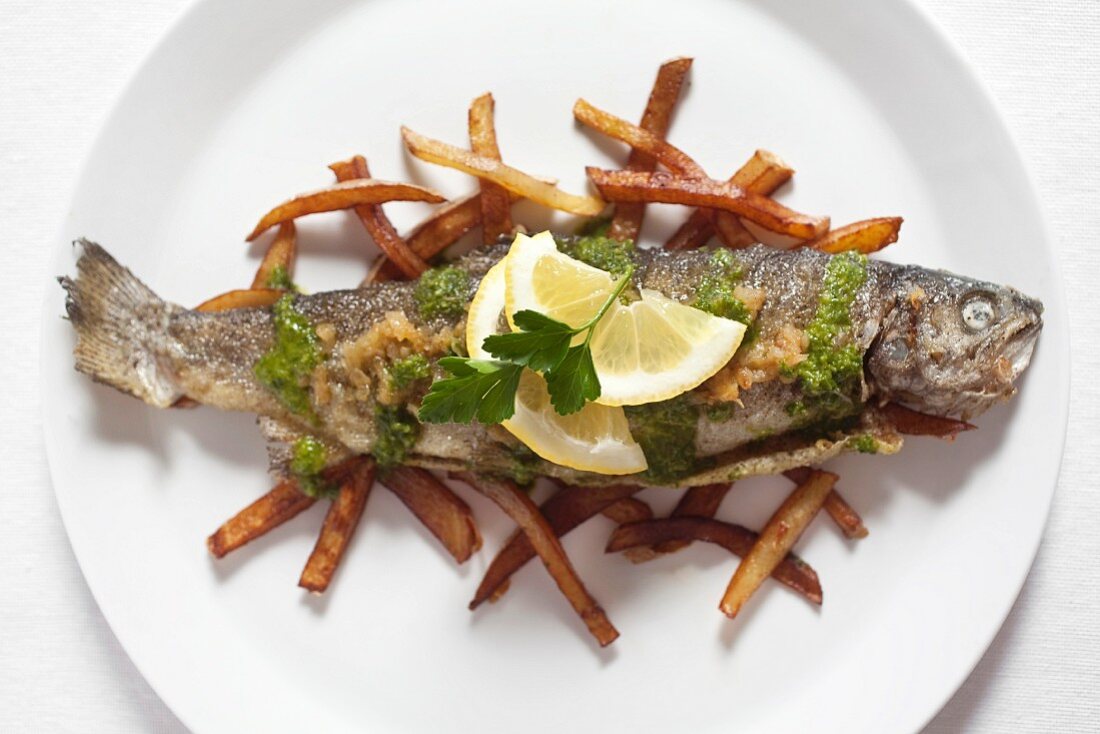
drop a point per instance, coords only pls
(832, 338)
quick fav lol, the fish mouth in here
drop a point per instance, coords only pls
(1016, 355)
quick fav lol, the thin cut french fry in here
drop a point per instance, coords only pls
(281, 253)
(870, 235)
(343, 195)
(762, 174)
(702, 501)
(514, 180)
(674, 189)
(628, 509)
(340, 523)
(496, 202)
(517, 505)
(376, 222)
(637, 138)
(776, 540)
(843, 514)
(441, 511)
(283, 502)
(627, 221)
(913, 423)
(243, 298)
(791, 570)
(565, 510)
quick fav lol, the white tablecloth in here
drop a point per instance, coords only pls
(62, 62)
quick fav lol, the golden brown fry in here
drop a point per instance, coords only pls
(627, 221)
(637, 138)
(673, 189)
(628, 509)
(340, 523)
(518, 506)
(442, 511)
(910, 422)
(282, 253)
(762, 174)
(496, 202)
(702, 501)
(282, 503)
(514, 180)
(376, 222)
(776, 540)
(870, 235)
(343, 195)
(843, 514)
(791, 571)
(243, 298)
(565, 510)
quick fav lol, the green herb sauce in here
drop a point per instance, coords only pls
(666, 433)
(714, 293)
(285, 368)
(396, 431)
(865, 444)
(524, 468)
(830, 374)
(599, 251)
(307, 461)
(720, 412)
(279, 279)
(443, 291)
(404, 372)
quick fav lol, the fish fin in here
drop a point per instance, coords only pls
(121, 327)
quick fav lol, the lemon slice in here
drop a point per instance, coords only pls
(653, 349)
(595, 439)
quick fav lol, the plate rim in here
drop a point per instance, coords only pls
(935, 31)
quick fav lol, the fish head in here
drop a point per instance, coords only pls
(951, 345)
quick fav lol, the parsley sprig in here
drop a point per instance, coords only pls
(485, 390)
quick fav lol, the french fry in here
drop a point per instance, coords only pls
(518, 506)
(668, 188)
(344, 195)
(243, 298)
(870, 235)
(340, 523)
(441, 511)
(282, 253)
(912, 423)
(628, 509)
(496, 203)
(762, 174)
(631, 509)
(282, 503)
(565, 510)
(637, 138)
(843, 514)
(776, 540)
(627, 221)
(514, 180)
(791, 570)
(702, 501)
(376, 222)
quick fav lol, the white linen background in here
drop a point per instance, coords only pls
(62, 64)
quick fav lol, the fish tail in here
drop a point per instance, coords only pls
(121, 327)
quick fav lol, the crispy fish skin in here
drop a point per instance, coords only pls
(941, 343)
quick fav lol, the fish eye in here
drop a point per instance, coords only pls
(978, 312)
(897, 349)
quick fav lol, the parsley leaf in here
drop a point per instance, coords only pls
(479, 389)
(485, 390)
(574, 382)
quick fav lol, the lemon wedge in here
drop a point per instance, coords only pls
(653, 349)
(595, 439)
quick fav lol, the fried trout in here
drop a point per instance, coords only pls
(831, 339)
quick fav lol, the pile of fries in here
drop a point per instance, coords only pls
(738, 211)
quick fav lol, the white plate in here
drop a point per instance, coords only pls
(244, 103)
